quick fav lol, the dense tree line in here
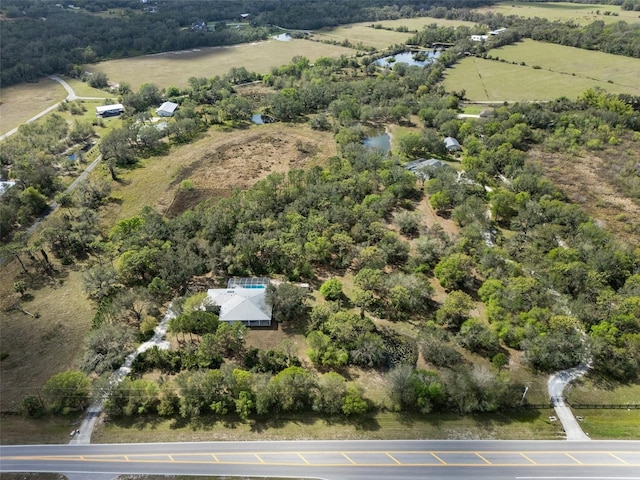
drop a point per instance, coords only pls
(41, 38)
(620, 38)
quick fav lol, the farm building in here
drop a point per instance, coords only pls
(244, 300)
(167, 109)
(452, 145)
(110, 110)
(421, 167)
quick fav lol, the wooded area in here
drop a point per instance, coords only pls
(557, 288)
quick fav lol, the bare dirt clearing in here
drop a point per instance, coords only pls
(239, 160)
(589, 179)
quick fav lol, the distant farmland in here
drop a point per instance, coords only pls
(382, 38)
(582, 14)
(175, 68)
(563, 71)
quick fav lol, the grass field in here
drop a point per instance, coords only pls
(564, 71)
(362, 33)
(18, 103)
(418, 23)
(582, 14)
(175, 68)
(529, 424)
(38, 348)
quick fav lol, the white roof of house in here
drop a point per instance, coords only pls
(240, 304)
(168, 107)
(108, 108)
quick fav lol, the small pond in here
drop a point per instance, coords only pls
(410, 58)
(261, 119)
(379, 139)
(73, 157)
(283, 37)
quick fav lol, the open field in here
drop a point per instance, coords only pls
(418, 23)
(619, 72)
(582, 14)
(382, 38)
(38, 348)
(175, 68)
(362, 33)
(492, 80)
(18, 103)
(590, 180)
(610, 424)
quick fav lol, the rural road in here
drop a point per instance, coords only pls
(556, 385)
(338, 460)
(71, 95)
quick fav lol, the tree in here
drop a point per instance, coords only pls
(332, 289)
(288, 301)
(294, 388)
(98, 80)
(332, 388)
(454, 271)
(20, 287)
(455, 310)
(67, 391)
(353, 402)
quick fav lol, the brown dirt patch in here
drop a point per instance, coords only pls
(589, 180)
(240, 159)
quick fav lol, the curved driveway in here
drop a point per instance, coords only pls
(339, 460)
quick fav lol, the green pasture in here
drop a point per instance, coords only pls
(175, 68)
(381, 38)
(363, 33)
(83, 89)
(418, 23)
(563, 71)
(617, 70)
(582, 14)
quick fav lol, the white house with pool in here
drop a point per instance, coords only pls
(244, 300)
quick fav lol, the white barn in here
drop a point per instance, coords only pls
(167, 109)
(110, 110)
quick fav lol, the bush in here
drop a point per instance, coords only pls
(332, 289)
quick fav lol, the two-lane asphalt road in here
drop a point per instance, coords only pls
(340, 460)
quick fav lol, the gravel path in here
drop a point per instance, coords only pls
(556, 385)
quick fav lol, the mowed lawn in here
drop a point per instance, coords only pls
(564, 71)
(18, 103)
(582, 14)
(175, 68)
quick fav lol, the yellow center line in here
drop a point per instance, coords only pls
(347, 457)
(215, 459)
(482, 458)
(573, 458)
(258, 457)
(303, 459)
(126, 458)
(170, 458)
(438, 458)
(618, 458)
(392, 458)
(527, 458)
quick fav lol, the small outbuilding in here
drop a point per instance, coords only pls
(110, 110)
(422, 167)
(167, 109)
(452, 145)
